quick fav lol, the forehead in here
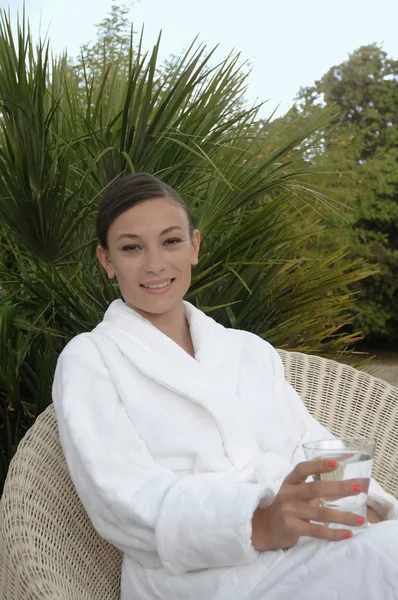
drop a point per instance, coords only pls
(149, 216)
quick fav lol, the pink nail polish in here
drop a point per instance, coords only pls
(360, 520)
(347, 535)
(356, 487)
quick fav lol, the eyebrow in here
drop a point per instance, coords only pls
(135, 236)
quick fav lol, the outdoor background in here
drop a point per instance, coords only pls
(288, 45)
(283, 140)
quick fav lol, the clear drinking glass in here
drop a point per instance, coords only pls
(354, 456)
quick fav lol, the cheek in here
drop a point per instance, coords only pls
(126, 269)
(184, 263)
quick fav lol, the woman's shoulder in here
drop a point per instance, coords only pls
(88, 341)
(81, 348)
(252, 340)
(258, 350)
(79, 342)
(241, 336)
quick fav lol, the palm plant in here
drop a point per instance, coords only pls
(66, 133)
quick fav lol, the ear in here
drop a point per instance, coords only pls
(105, 260)
(195, 247)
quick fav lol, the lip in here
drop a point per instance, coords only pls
(157, 281)
(156, 291)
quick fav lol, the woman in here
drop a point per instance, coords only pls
(183, 438)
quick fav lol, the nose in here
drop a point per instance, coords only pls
(154, 261)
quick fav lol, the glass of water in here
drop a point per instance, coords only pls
(354, 457)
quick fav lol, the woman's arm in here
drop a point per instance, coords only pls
(189, 523)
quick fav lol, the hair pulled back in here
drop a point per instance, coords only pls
(128, 191)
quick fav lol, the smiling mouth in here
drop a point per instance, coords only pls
(158, 286)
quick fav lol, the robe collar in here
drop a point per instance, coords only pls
(211, 379)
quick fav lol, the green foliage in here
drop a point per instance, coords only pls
(67, 132)
(114, 36)
(361, 150)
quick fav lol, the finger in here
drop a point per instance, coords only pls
(303, 470)
(314, 502)
(328, 515)
(325, 490)
(322, 533)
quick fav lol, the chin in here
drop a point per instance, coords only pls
(153, 308)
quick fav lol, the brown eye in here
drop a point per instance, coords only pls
(173, 241)
(130, 247)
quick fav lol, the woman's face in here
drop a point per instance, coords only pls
(150, 252)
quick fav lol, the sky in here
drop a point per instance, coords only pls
(288, 44)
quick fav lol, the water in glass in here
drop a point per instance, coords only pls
(354, 457)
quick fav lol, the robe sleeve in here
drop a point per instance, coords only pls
(309, 429)
(185, 523)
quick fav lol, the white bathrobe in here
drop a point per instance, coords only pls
(171, 455)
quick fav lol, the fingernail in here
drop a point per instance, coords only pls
(347, 535)
(331, 463)
(360, 520)
(356, 487)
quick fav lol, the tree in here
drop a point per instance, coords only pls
(362, 150)
(64, 137)
(114, 37)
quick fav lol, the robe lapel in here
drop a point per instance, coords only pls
(211, 380)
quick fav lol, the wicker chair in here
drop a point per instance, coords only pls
(50, 551)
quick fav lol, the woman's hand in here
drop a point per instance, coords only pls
(282, 523)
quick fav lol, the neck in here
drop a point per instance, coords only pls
(175, 326)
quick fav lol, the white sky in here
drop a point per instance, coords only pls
(288, 43)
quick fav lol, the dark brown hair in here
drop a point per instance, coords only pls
(129, 191)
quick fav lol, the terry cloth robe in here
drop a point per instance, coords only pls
(171, 455)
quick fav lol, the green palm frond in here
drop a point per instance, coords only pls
(67, 132)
